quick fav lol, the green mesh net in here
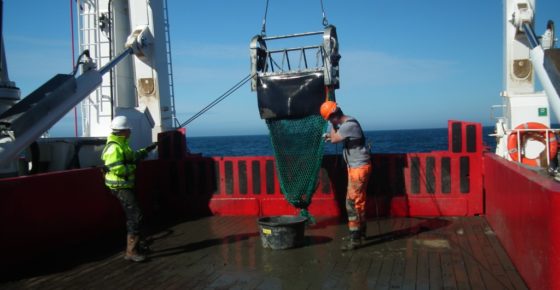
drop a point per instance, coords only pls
(298, 149)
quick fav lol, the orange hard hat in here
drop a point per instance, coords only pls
(327, 108)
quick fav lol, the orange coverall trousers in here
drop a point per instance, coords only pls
(358, 178)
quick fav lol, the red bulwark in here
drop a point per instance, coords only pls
(437, 184)
(523, 209)
(43, 213)
(172, 144)
(443, 183)
(228, 186)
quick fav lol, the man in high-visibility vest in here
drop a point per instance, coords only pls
(120, 170)
(346, 129)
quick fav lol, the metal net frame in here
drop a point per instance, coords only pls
(290, 93)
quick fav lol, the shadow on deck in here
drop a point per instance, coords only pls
(226, 253)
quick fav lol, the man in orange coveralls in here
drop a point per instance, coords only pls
(346, 129)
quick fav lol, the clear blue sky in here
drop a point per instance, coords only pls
(405, 64)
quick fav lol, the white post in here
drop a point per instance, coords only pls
(521, 103)
(152, 73)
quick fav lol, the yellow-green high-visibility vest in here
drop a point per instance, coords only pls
(120, 162)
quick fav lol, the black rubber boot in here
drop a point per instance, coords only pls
(363, 231)
(353, 242)
(143, 246)
(131, 251)
(362, 234)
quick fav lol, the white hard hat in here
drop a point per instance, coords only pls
(120, 123)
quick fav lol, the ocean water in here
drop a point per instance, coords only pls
(387, 141)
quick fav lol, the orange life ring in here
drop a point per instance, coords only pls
(536, 135)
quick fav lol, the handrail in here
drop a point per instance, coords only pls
(292, 35)
(547, 141)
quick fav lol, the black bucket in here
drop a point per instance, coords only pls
(282, 232)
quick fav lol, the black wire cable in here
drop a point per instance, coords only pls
(325, 21)
(218, 100)
(263, 30)
(78, 62)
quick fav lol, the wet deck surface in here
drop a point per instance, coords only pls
(226, 253)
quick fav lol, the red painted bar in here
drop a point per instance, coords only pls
(438, 203)
(227, 198)
(263, 203)
(392, 190)
(523, 209)
(464, 127)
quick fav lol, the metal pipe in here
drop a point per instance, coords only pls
(531, 37)
(292, 35)
(271, 61)
(287, 60)
(115, 61)
(304, 57)
(296, 48)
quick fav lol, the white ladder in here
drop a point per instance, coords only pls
(169, 63)
(99, 104)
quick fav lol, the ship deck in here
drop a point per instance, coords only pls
(226, 253)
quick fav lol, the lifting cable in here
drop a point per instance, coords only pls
(245, 79)
(263, 29)
(325, 21)
(219, 99)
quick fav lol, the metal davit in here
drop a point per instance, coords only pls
(291, 84)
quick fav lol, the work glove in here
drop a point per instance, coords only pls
(151, 147)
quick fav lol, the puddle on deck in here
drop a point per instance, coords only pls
(226, 253)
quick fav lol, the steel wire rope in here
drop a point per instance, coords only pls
(325, 21)
(218, 99)
(263, 29)
(274, 63)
